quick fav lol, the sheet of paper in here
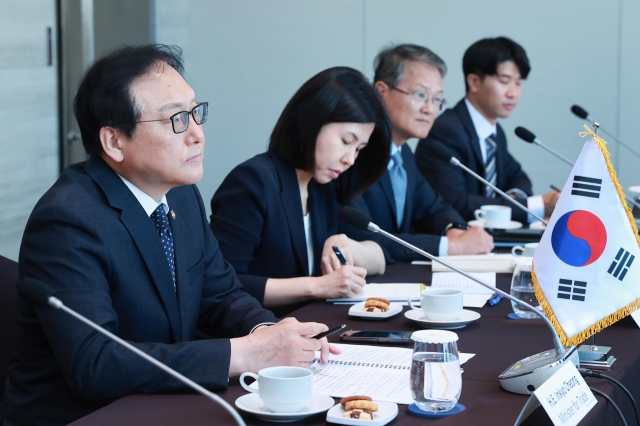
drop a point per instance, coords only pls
(477, 263)
(379, 372)
(395, 292)
(473, 294)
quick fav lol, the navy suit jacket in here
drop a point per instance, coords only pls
(426, 214)
(92, 242)
(256, 215)
(465, 193)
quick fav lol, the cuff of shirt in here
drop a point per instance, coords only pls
(536, 205)
(260, 325)
(443, 248)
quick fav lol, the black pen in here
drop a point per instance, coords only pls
(339, 255)
(555, 189)
(329, 332)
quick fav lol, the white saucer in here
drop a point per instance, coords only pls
(356, 311)
(387, 411)
(512, 224)
(537, 225)
(464, 318)
(251, 403)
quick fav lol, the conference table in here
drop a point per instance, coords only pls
(497, 341)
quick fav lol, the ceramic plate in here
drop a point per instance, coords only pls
(387, 411)
(537, 225)
(356, 311)
(251, 403)
(465, 318)
(510, 225)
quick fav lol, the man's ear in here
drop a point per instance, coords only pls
(473, 81)
(112, 141)
(383, 88)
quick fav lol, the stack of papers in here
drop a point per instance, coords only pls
(394, 292)
(473, 294)
(473, 263)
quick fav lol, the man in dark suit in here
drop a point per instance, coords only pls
(494, 70)
(409, 79)
(123, 239)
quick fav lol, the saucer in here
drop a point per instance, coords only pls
(464, 318)
(537, 225)
(512, 224)
(356, 311)
(251, 403)
(387, 411)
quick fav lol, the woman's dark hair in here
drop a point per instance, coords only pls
(483, 57)
(335, 95)
(104, 97)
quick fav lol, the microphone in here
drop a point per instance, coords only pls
(42, 295)
(580, 112)
(524, 376)
(445, 154)
(527, 136)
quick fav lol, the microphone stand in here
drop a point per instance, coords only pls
(540, 144)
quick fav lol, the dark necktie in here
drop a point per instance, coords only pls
(161, 222)
(399, 184)
(490, 164)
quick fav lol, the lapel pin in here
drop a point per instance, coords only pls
(173, 215)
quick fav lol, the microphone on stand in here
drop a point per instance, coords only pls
(524, 376)
(42, 295)
(527, 136)
(580, 112)
(445, 154)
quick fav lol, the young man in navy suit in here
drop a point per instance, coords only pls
(409, 80)
(123, 239)
(494, 69)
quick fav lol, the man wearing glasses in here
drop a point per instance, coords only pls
(409, 79)
(123, 238)
(494, 69)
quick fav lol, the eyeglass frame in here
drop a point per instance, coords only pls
(428, 98)
(189, 113)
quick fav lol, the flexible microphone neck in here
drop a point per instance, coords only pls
(41, 294)
(445, 154)
(581, 113)
(527, 136)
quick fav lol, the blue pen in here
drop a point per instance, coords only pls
(339, 255)
(497, 297)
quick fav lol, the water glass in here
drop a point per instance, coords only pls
(436, 380)
(522, 288)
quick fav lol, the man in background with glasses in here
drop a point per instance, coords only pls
(123, 238)
(409, 79)
(494, 69)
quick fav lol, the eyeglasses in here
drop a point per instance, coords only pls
(421, 98)
(180, 120)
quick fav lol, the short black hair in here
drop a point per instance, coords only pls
(335, 95)
(483, 57)
(104, 97)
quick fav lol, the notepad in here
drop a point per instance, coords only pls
(473, 263)
(381, 373)
(394, 292)
(473, 294)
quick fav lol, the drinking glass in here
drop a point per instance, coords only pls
(522, 288)
(435, 380)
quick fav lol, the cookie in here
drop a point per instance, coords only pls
(372, 309)
(346, 399)
(377, 302)
(361, 404)
(358, 414)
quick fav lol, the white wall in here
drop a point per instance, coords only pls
(248, 57)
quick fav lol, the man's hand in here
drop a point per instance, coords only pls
(550, 199)
(286, 343)
(474, 240)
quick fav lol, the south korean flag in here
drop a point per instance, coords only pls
(586, 270)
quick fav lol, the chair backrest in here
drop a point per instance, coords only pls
(8, 307)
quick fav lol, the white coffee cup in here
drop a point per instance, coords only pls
(439, 304)
(493, 216)
(282, 389)
(528, 250)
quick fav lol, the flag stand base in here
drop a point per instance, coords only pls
(596, 357)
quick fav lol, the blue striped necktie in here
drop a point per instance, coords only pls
(161, 222)
(399, 184)
(490, 164)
